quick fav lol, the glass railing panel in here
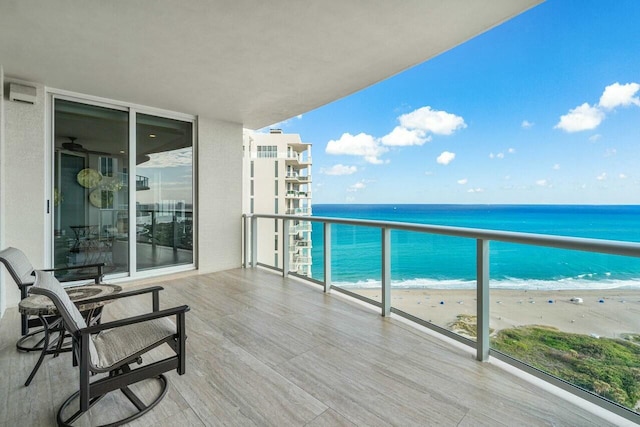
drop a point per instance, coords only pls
(572, 314)
(433, 278)
(356, 260)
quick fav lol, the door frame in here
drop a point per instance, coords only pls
(51, 95)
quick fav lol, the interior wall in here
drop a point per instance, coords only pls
(219, 194)
(23, 181)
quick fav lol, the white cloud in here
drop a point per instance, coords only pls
(617, 95)
(610, 152)
(168, 159)
(526, 124)
(602, 176)
(556, 167)
(356, 187)
(475, 190)
(542, 182)
(511, 150)
(462, 181)
(357, 145)
(433, 121)
(429, 173)
(496, 156)
(622, 176)
(594, 138)
(339, 169)
(583, 117)
(445, 157)
(401, 136)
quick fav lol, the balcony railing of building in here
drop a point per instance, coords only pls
(300, 228)
(481, 239)
(298, 211)
(299, 158)
(299, 194)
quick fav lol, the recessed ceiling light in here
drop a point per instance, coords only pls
(121, 151)
(152, 135)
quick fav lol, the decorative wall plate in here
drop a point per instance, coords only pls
(101, 198)
(89, 178)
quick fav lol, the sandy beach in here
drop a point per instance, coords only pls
(605, 313)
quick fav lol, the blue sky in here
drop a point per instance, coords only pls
(542, 109)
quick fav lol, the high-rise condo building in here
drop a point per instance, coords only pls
(277, 179)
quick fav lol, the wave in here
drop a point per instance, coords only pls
(580, 282)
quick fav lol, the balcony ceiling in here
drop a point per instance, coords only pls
(253, 62)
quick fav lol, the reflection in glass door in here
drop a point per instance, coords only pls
(164, 192)
(90, 194)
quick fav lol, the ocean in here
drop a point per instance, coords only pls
(421, 260)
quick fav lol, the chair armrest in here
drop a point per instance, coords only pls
(135, 319)
(97, 277)
(154, 289)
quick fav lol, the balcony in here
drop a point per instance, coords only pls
(267, 351)
(298, 211)
(477, 335)
(296, 177)
(298, 194)
(297, 159)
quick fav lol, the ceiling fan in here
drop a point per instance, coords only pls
(72, 145)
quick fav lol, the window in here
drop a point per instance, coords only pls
(276, 243)
(267, 151)
(276, 187)
(252, 169)
(275, 173)
(276, 225)
(252, 188)
(276, 207)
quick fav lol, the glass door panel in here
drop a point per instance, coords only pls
(90, 195)
(164, 192)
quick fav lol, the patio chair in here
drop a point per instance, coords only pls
(112, 347)
(21, 271)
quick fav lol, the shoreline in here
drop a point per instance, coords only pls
(602, 313)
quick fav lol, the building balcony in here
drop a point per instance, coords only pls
(299, 211)
(295, 177)
(480, 328)
(300, 228)
(296, 159)
(298, 194)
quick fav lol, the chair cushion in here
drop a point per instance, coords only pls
(115, 345)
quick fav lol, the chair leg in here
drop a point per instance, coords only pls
(142, 408)
(45, 346)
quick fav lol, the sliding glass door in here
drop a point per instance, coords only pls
(164, 196)
(100, 210)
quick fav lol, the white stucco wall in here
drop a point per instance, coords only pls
(219, 194)
(2, 280)
(23, 181)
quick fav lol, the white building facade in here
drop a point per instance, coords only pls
(277, 180)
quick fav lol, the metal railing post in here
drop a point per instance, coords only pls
(245, 228)
(386, 271)
(327, 257)
(285, 247)
(254, 241)
(482, 277)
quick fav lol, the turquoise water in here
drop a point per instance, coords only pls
(426, 261)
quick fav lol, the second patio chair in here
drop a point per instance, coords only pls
(113, 347)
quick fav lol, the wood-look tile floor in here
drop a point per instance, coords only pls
(265, 351)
